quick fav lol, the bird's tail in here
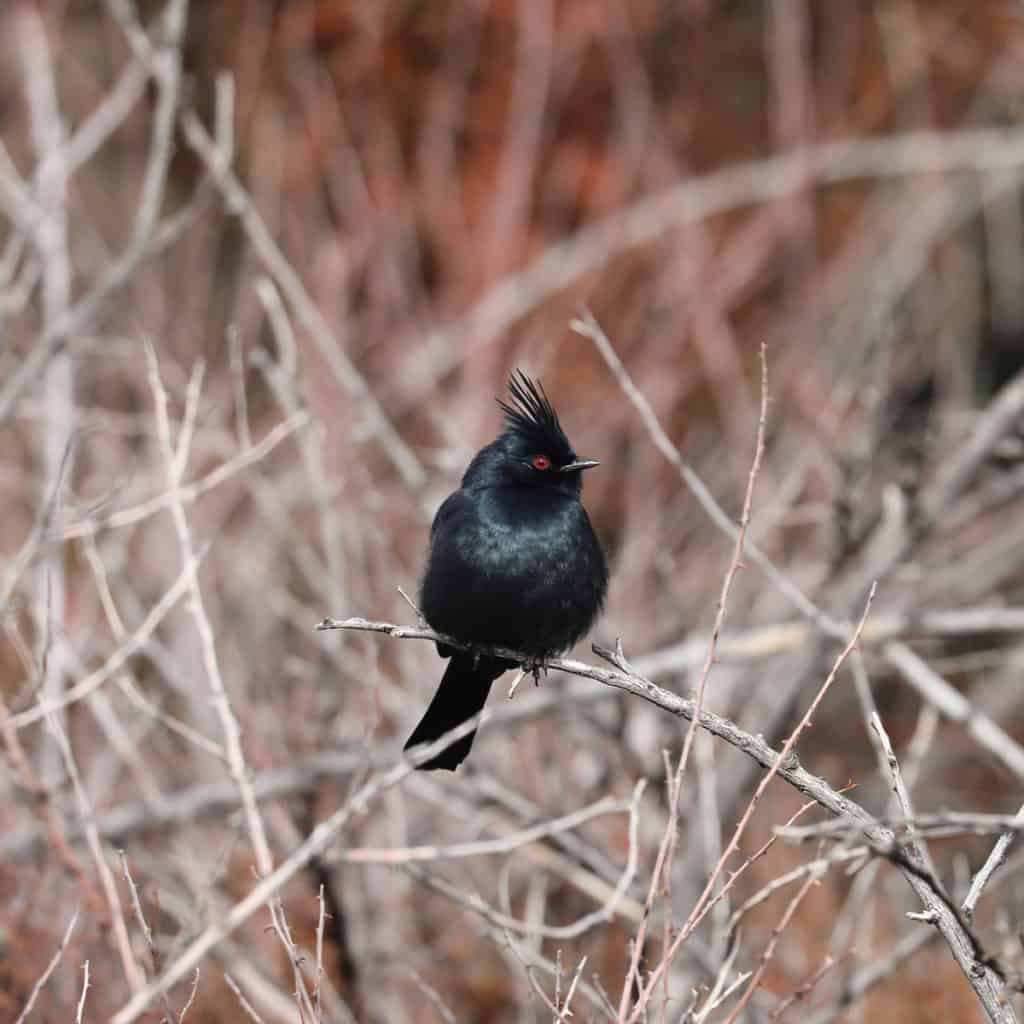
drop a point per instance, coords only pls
(462, 693)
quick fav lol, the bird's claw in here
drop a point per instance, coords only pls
(535, 668)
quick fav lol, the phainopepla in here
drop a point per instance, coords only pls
(513, 562)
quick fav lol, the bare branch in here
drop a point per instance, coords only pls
(50, 968)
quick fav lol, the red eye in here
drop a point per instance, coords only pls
(541, 462)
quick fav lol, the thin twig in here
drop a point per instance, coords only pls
(993, 862)
(769, 950)
(133, 973)
(666, 849)
(175, 462)
(50, 968)
(589, 327)
(80, 1009)
(311, 847)
(955, 706)
(774, 769)
(136, 641)
(247, 1007)
(915, 843)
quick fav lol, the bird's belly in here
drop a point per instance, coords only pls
(528, 590)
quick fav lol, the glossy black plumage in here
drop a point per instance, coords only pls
(513, 562)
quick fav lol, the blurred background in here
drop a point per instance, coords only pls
(339, 226)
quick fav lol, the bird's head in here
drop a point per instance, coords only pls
(533, 450)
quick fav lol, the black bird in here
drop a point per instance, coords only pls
(513, 562)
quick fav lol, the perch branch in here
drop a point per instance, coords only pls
(979, 971)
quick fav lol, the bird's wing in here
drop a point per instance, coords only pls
(454, 507)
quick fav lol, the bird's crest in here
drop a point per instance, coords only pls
(531, 415)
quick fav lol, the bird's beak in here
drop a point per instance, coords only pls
(579, 464)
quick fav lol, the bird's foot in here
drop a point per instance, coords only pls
(535, 668)
(532, 668)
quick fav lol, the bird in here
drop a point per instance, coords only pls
(513, 562)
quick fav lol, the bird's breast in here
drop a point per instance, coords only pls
(523, 571)
(525, 536)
